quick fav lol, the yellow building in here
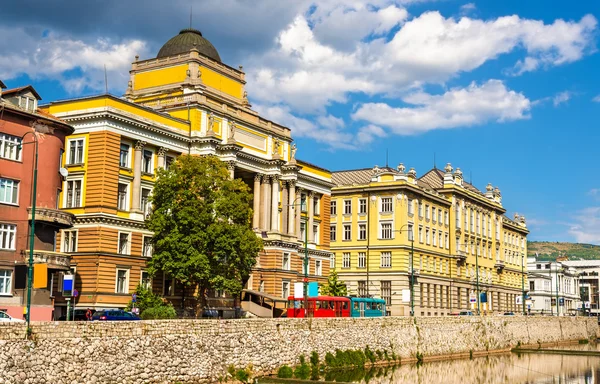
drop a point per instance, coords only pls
(462, 242)
(184, 101)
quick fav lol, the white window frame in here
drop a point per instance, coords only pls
(347, 232)
(318, 268)
(152, 154)
(8, 236)
(382, 234)
(303, 226)
(421, 209)
(127, 163)
(333, 208)
(410, 207)
(77, 153)
(285, 289)
(440, 216)
(7, 279)
(149, 283)
(433, 214)
(386, 259)
(67, 237)
(362, 226)
(128, 246)
(147, 248)
(434, 237)
(73, 203)
(316, 206)
(286, 261)
(10, 185)
(362, 203)
(171, 292)
(333, 232)
(123, 206)
(362, 260)
(346, 263)
(126, 287)
(315, 233)
(9, 146)
(145, 207)
(427, 236)
(440, 239)
(420, 234)
(387, 204)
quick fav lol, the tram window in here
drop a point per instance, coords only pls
(356, 305)
(379, 306)
(367, 305)
(345, 305)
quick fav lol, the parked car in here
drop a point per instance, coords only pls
(509, 313)
(5, 317)
(465, 313)
(114, 315)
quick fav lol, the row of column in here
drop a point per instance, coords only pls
(266, 206)
(137, 172)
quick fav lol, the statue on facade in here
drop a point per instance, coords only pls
(231, 136)
(211, 123)
(293, 150)
(276, 146)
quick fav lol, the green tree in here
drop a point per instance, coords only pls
(334, 287)
(201, 221)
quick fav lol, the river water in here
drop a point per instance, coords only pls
(506, 368)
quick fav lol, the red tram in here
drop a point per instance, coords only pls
(320, 306)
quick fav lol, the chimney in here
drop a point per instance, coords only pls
(458, 177)
(489, 191)
(448, 179)
(412, 176)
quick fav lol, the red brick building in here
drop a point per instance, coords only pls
(21, 123)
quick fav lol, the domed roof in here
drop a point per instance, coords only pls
(185, 41)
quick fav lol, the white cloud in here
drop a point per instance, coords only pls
(596, 99)
(369, 133)
(458, 107)
(586, 228)
(75, 63)
(466, 8)
(561, 97)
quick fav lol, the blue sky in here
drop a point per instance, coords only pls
(502, 89)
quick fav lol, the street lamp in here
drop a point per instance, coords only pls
(523, 281)
(305, 283)
(411, 236)
(476, 274)
(32, 231)
(550, 275)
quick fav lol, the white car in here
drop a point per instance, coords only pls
(4, 317)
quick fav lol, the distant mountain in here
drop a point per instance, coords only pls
(548, 250)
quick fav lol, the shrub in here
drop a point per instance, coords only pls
(159, 312)
(285, 372)
(302, 372)
(314, 358)
(242, 375)
(370, 355)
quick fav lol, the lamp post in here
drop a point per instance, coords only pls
(550, 275)
(477, 280)
(523, 281)
(32, 231)
(557, 286)
(411, 236)
(305, 263)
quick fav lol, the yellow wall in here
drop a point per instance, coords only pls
(221, 83)
(160, 77)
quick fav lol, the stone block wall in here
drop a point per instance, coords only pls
(199, 351)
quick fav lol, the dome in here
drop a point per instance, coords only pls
(185, 41)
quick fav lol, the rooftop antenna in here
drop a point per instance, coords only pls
(434, 167)
(470, 177)
(105, 81)
(386, 157)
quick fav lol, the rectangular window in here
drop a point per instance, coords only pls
(169, 160)
(303, 230)
(8, 233)
(123, 246)
(316, 206)
(124, 156)
(386, 292)
(362, 206)
(362, 231)
(489, 233)
(362, 260)
(477, 223)
(303, 202)
(285, 289)
(332, 261)
(145, 280)
(427, 212)
(440, 216)
(122, 197)
(333, 208)
(434, 238)
(420, 234)
(362, 288)
(411, 208)
(9, 147)
(433, 215)
(446, 241)
(466, 219)
(76, 151)
(332, 233)
(69, 241)
(386, 230)
(168, 285)
(145, 202)
(386, 205)
(5, 282)
(147, 162)
(410, 234)
(446, 220)
(346, 260)
(147, 248)
(427, 236)
(285, 263)
(472, 220)
(386, 259)
(122, 281)
(347, 232)
(440, 243)
(318, 269)
(73, 194)
(483, 222)
(316, 233)
(9, 191)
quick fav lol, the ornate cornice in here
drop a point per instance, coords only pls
(110, 220)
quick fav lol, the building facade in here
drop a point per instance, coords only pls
(21, 126)
(589, 283)
(552, 283)
(389, 227)
(184, 101)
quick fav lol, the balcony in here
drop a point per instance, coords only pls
(461, 257)
(499, 266)
(54, 217)
(55, 260)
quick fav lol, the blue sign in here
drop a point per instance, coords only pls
(483, 297)
(561, 301)
(67, 283)
(133, 298)
(313, 289)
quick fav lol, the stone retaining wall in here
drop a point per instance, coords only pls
(198, 351)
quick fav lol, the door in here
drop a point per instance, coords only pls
(361, 309)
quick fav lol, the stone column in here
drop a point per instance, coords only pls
(161, 157)
(291, 207)
(310, 212)
(284, 208)
(231, 168)
(275, 204)
(299, 213)
(266, 211)
(137, 176)
(256, 201)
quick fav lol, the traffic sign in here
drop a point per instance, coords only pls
(473, 300)
(75, 293)
(133, 298)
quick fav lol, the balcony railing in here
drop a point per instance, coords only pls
(499, 265)
(53, 216)
(55, 260)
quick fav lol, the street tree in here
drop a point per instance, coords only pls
(201, 220)
(334, 287)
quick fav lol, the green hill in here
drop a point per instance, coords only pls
(548, 250)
